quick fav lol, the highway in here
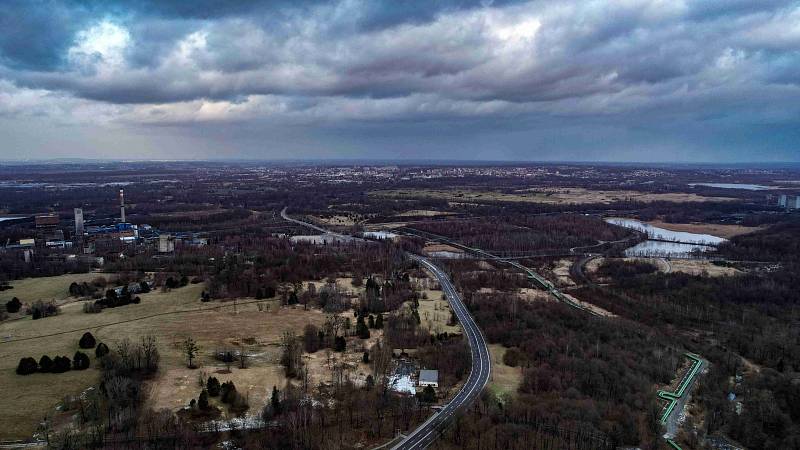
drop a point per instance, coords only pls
(426, 433)
(422, 436)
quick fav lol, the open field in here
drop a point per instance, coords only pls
(178, 314)
(47, 288)
(441, 248)
(690, 266)
(561, 271)
(505, 379)
(335, 220)
(423, 213)
(545, 195)
(723, 231)
(434, 313)
(700, 267)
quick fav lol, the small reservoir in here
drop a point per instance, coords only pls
(666, 243)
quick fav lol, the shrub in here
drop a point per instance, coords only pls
(41, 309)
(101, 350)
(512, 357)
(92, 307)
(80, 361)
(45, 364)
(27, 366)
(61, 364)
(13, 305)
(87, 341)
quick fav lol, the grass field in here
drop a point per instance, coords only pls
(544, 195)
(170, 317)
(46, 288)
(723, 231)
(434, 313)
(692, 267)
(505, 379)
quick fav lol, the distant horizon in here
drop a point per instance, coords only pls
(407, 162)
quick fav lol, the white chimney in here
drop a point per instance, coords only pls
(122, 205)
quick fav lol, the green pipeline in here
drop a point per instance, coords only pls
(672, 397)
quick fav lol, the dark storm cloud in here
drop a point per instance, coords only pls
(528, 65)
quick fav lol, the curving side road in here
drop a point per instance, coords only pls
(425, 434)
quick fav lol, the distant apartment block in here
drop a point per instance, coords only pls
(166, 243)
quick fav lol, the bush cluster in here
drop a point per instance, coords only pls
(59, 364)
(41, 309)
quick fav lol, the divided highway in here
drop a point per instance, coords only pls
(425, 434)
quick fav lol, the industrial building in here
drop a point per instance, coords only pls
(166, 243)
(47, 220)
(789, 202)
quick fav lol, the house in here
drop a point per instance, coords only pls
(428, 378)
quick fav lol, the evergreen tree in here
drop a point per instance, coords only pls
(340, 344)
(275, 401)
(101, 350)
(228, 392)
(428, 394)
(13, 305)
(45, 364)
(87, 341)
(361, 329)
(27, 366)
(213, 386)
(61, 364)
(80, 361)
(202, 401)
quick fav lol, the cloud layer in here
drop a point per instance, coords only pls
(539, 77)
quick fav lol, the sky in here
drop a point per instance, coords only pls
(628, 80)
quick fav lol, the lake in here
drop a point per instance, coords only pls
(686, 243)
(745, 186)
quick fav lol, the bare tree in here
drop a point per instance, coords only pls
(190, 349)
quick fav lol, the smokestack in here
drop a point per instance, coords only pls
(79, 223)
(122, 205)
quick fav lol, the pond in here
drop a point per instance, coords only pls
(682, 243)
